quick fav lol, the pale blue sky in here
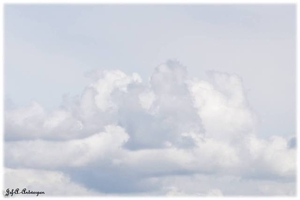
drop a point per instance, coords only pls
(50, 48)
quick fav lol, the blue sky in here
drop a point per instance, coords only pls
(53, 53)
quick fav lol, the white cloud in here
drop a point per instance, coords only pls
(215, 192)
(110, 81)
(222, 106)
(147, 99)
(221, 185)
(144, 134)
(50, 182)
(272, 156)
(54, 154)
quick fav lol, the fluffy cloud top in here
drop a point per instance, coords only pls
(124, 136)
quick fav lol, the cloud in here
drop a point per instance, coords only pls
(127, 136)
(52, 183)
(55, 154)
(216, 185)
(222, 106)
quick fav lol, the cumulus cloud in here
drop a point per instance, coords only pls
(77, 152)
(125, 136)
(223, 101)
(50, 182)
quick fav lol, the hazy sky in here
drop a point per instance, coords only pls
(49, 49)
(55, 54)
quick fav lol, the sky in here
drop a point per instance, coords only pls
(151, 99)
